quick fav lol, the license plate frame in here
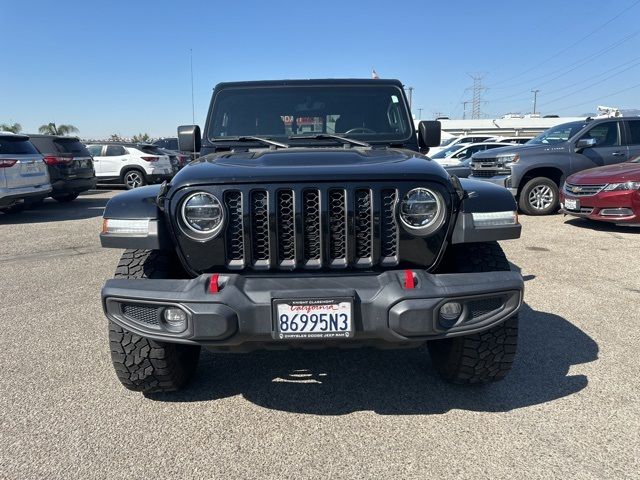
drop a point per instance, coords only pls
(309, 307)
(572, 204)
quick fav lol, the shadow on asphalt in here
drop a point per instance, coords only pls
(332, 382)
(600, 226)
(81, 208)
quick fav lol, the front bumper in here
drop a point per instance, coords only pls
(501, 180)
(619, 207)
(386, 312)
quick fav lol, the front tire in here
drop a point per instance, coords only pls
(142, 364)
(539, 196)
(481, 357)
(69, 197)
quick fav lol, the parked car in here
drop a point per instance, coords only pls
(608, 194)
(461, 169)
(177, 159)
(471, 138)
(170, 143)
(534, 172)
(464, 152)
(133, 164)
(518, 140)
(23, 173)
(281, 240)
(69, 164)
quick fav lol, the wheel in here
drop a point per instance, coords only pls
(133, 179)
(142, 364)
(539, 196)
(69, 197)
(480, 357)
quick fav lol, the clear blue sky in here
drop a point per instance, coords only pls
(123, 67)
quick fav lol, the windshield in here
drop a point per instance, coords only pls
(367, 112)
(448, 151)
(558, 134)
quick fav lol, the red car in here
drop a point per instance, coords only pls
(609, 194)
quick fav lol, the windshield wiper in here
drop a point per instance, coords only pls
(251, 138)
(329, 136)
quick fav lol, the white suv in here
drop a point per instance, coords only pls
(23, 174)
(132, 164)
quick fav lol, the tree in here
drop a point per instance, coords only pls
(141, 138)
(114, 137)
(10, 127)
(53, 129)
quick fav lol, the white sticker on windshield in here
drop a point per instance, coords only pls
(394, 99)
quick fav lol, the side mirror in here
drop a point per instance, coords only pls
(429, 133)
(585, 143)
(189, 138)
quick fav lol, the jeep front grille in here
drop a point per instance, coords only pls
(311, 227)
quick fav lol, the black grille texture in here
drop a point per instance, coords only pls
(324, 227)
(477, 308)
(142, 313)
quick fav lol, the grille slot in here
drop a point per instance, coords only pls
(477, 308)
(235, 235)
(364, 228)
(311, 223)
(582, 190)
(142, 313)
(260, 228)
(324, 227)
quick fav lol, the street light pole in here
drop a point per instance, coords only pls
(410, 97)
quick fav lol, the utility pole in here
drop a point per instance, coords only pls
(410, 97)
(535, 99)
(419, 114)
(476, 100)
(464, 110)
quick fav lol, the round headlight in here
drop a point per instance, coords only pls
(203, 214)
(421, 211)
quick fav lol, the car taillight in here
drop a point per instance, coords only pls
(4, 163)
(150, 159)
(53, 160)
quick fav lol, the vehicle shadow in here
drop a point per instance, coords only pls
(81, 208)
(600, 226)
(332, 382)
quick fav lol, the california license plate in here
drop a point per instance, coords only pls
(317, 318)
(571, 204)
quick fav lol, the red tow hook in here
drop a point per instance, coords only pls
(213, 283)
(409, 280)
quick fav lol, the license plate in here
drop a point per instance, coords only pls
(30, 168)
(316, 318)
(571, 204)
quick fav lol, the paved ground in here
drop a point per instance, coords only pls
(570, 408)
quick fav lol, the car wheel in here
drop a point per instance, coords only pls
(133, 179)
(142, 364)
(70, 197)
(481, 357)
(539, 196)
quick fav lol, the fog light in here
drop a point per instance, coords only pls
(449, 313)
(175, 318)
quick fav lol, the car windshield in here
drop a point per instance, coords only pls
(558, 134)
(365, 112)
(448, 151)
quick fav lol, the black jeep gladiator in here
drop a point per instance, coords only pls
(311, 219)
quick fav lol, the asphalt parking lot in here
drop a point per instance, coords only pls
(570, 408)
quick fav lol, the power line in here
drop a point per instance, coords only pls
(600, 98)
(566, 49)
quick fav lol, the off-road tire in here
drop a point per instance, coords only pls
(69, 197)
(142, 364)
(129, 183)
(480, 357)
(544, 184)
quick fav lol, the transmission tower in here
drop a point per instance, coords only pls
(476, 99)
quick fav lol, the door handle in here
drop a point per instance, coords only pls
(617, 154)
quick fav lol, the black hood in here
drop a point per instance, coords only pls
(310, 165)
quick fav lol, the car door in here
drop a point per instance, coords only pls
(633, 138)
(96, 153)
(607, 150)
(115, 157)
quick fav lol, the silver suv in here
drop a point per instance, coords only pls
(23, 174)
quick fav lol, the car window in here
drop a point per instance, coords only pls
(95, 150)
(634, 132)
(115, 150)
(16, 146)
(606, 134)
(558, 134)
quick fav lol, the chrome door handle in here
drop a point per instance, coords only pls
(617, 154)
